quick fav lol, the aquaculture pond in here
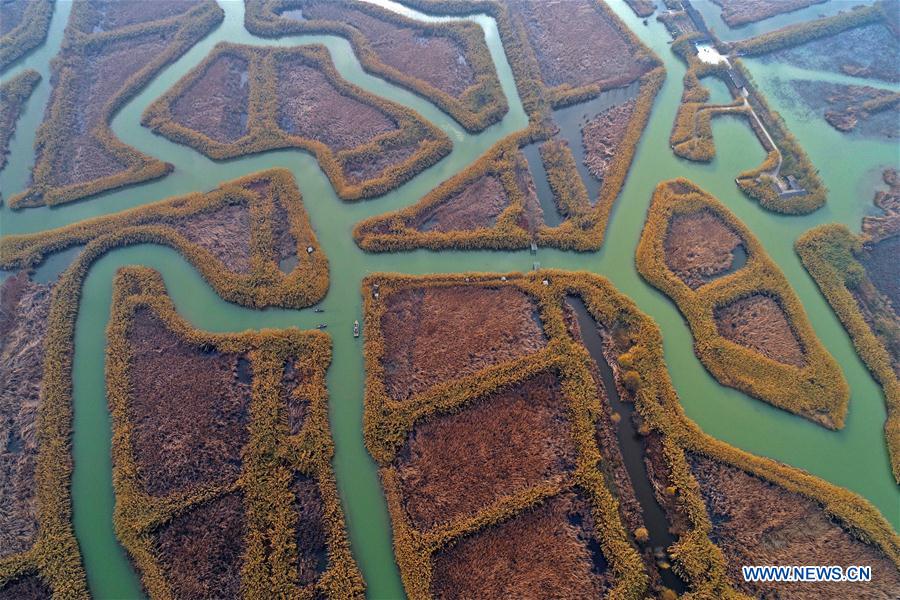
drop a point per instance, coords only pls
(854, 457)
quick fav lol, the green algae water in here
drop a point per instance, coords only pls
(855, 457)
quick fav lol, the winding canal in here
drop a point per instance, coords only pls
(721, 412)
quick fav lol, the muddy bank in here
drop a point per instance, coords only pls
(758, 523)
(436, 59)
(551, 551)
(851, 107)
(759, 322)
(201, 549)
(216, 104)
(224, 232)
(24, 306)
(311, 536)
(476, 206)
(740, 12)
(886, 224)
(188, 406)
(700, 246)
(310, 106)
(442, 333)
(602, 135)
(868, 51)
(455, 465)
(576, 43)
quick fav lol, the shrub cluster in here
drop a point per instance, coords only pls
(71, 69)
(263, 132)
(271, 458)
(482, 104)
(816, 390)
(31, 31)
(696, 559)
(264, 285)
(13, 95)
(829, 254)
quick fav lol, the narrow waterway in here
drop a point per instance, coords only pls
(630, 444)
(721, 412)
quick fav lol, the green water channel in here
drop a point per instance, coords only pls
(854, 457)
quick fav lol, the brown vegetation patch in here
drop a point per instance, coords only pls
(755, 522)
(216, 104)
(106, 15)
(741, 12)
(476, 206)
(548, 552)
(27, 587)
(24, 307)
(436, 59)
(880, 261)
(297, 405)
(225, 232)
(104, 72)
(870, 111)
(759, 322)
(441, 333)
(887, 224)
(602, 135)
(311, 536)
(201, 549)
(509, 441)
(188, 406)
(699, 246)
(358, 169)
(576, 44)
(311, 107)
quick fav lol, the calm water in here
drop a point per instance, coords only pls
(854, 457)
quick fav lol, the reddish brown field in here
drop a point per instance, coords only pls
(112, 14)
(216, 104)
(476, 206)
(310, 107)
(439, 334)
(27, 587)
(188, 409)
(576, 44)
(759, 322)
(548, 552)
(741, 12)
(363, 168)
(699, 246)
(758, 523)
(297, 406)
(200, 550)
(81, 157)
(437, 60)
(601, 137)
(311, 535)
(225, 232)
(24, 306)
(11, 15)
(453, 466)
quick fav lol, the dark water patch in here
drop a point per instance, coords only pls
(572, 119)
(630, 443)
(532, 153)
(49, 270)
(244, 370)
(14, 443)
(288, 263)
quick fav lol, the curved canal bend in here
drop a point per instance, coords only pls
(722, 412)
